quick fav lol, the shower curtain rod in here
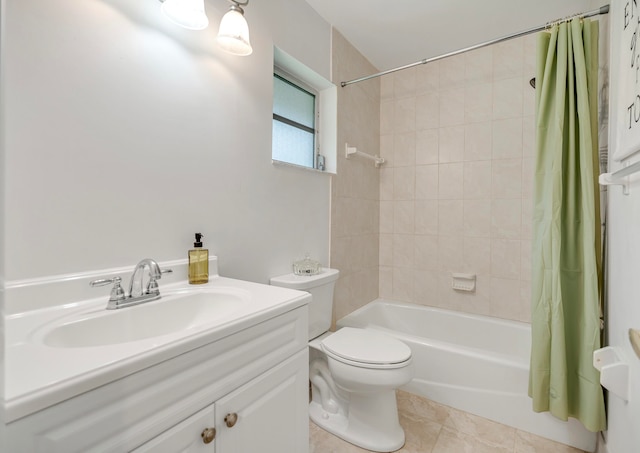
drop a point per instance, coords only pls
(596, 12)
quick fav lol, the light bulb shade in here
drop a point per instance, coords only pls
(186, 13)
(233, 36)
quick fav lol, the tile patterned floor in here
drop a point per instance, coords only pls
(433, 428)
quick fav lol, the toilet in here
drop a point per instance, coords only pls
(354, 373)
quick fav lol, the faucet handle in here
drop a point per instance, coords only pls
(152, 287)
(117, 293)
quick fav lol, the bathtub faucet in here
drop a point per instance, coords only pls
(118, 298)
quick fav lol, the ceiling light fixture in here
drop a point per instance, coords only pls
(233, 35)
(186, 13)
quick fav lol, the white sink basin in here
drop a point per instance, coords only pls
(178, 312)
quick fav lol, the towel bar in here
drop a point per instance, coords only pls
(350, 150)
(620, 177)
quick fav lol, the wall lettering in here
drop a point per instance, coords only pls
(631, 32)
(626, 39)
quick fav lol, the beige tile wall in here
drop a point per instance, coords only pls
(455, 196)
(355, 189)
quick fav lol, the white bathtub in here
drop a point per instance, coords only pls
(473, 363)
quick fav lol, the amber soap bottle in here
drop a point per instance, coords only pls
(198, 263)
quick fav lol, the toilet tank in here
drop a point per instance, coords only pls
(321, 288)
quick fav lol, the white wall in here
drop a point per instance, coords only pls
(2, 218)
(126, 134)
(623, 263)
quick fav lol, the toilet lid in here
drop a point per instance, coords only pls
(366, 346)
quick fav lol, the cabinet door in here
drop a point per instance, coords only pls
(188, 436)
(269, 414)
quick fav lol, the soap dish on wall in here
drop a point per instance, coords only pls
(463, 282)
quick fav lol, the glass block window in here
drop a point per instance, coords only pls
(294, 129)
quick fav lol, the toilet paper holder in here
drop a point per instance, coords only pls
(614, 373)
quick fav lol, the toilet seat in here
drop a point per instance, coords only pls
(365, 348)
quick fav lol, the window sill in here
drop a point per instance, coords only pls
(279, 163)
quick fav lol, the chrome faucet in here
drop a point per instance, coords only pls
(135, 284)
(118, 298)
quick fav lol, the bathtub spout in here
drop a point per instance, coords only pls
(321, 378)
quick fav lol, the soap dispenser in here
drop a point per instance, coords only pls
(198, 263)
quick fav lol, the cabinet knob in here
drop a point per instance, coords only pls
(208, 435)
(231, 419)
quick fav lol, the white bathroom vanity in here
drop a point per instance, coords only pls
(227, 380)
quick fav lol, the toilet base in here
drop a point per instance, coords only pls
(387, 437)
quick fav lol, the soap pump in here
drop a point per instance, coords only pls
(198, 262)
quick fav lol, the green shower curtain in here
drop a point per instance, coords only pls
(566, 278)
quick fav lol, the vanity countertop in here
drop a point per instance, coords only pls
(39, 375)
